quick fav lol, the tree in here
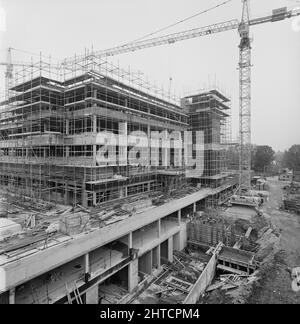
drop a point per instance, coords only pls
(279, 159)
(262, 157)
(291, 158)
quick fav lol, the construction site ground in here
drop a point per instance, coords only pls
(279, 253)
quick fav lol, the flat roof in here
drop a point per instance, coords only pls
(210, 92)
(29, 84)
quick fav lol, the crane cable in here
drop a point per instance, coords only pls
(179, 22)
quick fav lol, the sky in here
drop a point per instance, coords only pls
(61, 28)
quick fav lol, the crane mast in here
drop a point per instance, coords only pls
(245, 101)
(8, 72)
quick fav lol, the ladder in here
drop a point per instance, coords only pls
(76, 294)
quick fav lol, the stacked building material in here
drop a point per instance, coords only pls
(292, 203)
(291, 197)
(262, 185)
(72, 224)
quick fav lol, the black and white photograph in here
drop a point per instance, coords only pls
(149, 155)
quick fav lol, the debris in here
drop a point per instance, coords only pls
(249, 230)
(8, 228)
(137, 206)
(215, 286)
(83, 208)
(53, 227)
(231, 281)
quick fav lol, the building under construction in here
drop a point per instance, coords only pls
(95, 210)
(49, 127)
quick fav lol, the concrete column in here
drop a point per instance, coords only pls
(145, 263)
(83, 191)
(176, 241)
(122, 192)
(182, 237)
(87, 267)
(170, 249)
(87, 263)
(149, 150)
(179, 216)
(66, 193)
(159, 227)
(149, 262)
(130, 240)
(12, 296)
(133, 278)
(122, 143)
(91, 296)
(67, 151)
(156, 256)
(67, 126)
(94, 199)
(94, 153)
(194, 207)
(94, 124)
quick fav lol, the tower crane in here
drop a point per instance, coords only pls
(244, 66)
(9, 64)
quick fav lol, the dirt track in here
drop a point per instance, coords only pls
(287, 223)
(275, 286)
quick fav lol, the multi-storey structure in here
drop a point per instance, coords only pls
(208, 113)
(49, 138)
(51, 151)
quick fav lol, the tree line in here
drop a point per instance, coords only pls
(263, 157)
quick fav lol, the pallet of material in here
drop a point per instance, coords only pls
(72, 224)
(292, 203)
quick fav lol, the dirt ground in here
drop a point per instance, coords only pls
(274, 285)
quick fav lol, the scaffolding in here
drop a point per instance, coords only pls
(49, 123)
(52, 116)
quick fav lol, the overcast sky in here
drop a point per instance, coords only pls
(61, 28)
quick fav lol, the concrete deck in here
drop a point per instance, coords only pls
(64, 249)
